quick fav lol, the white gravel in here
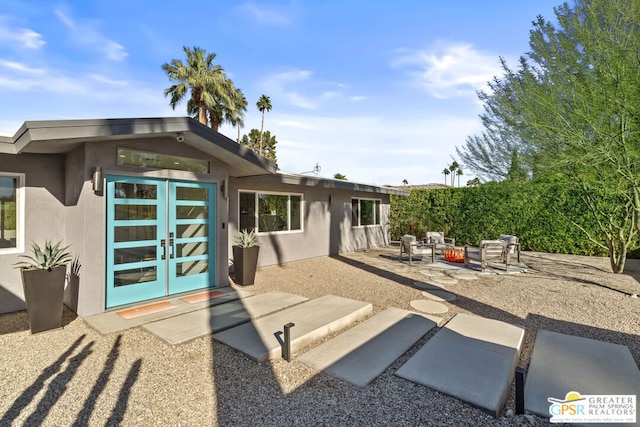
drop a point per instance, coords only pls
(77, 377)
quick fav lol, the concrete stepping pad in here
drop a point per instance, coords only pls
(313, 320)
(429, 306)
(443, 281)
(471, 358)
(187, 327)
(562, 363)
(464, 276)
(428, 286)
(439, 295)
(363, 352)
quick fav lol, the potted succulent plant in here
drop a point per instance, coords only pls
(43, 277)
(245, 257)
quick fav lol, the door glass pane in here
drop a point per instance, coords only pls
(191, 212)
(133, 212)
(185, 231)
(190, 193)
(128, 255)
(135, 275)
(125, 190)
(191, 249)
(192, 267)
(133, 233)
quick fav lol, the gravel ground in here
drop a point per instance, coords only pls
(75, 376)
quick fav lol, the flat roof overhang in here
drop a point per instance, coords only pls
(338, 184)
(62, 136)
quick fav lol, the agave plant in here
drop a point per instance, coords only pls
(50, 257)
(247, 239)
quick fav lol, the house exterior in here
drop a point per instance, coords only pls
(151, 207)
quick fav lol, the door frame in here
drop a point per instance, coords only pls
(162, 287)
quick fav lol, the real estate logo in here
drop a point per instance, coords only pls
(577, 408)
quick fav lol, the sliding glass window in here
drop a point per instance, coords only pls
(270, 212)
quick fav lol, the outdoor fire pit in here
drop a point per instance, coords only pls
(454, 255)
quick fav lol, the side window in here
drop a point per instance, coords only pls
(11, 213)
(365, 212)
(270, 212)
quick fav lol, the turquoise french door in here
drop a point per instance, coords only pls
(160, 238)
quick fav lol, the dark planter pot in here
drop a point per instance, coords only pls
(44, 293)
(245, 262)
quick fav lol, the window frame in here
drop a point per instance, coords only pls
(377, 212)
(20, 213)
(256, 209)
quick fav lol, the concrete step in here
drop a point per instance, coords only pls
(471, 358)
(110, 322)
(313, 320)
(184, 328)
(363, 352)
(563, 363)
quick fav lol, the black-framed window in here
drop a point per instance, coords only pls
(11, 212)
(365, 212)
(269, 212)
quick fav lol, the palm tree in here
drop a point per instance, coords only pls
(340, 176)
(459, 173)
(206, 81)
(454, 167)
(263, 104)
(231, 112)
(446, 172)
(236, 118)
(405, 182)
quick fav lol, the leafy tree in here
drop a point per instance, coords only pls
(206, 82)
(266, 149)
(263, 104)
(516, 172)
(574, 100)
(473, 182)
(340, 176)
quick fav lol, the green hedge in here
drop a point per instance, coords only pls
(542, 215)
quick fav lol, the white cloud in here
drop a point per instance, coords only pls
(369, 148)
(85, 34)
(17, 66)
(266, 15)
(448, 71)
(22, 37)
(278, 85)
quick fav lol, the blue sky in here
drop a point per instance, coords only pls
(379, 91)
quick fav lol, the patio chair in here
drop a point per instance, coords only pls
(488, 251)
(440, 241)
(410, 246)
(513, 244)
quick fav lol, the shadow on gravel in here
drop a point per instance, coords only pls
(553, 268)
(27, 396)
(58, 383)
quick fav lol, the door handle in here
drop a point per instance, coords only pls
(164, 249)
(171, 250)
